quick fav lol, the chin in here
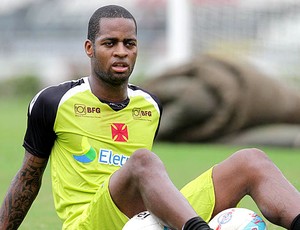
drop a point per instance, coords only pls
(119, 81)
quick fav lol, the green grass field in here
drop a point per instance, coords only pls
(183, 162)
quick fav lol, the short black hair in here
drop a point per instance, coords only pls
(110, 11)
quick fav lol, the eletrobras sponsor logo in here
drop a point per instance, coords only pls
(106, 156)
(83, 110)
(88, 152)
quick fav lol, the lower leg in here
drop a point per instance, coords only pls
(250, 172)
(147, 185)
(275, 196)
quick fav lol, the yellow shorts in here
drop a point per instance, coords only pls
(102, 213)
(201, 195)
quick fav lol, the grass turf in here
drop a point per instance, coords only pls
(183, 162)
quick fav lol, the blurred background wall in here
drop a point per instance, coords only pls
(45, 37)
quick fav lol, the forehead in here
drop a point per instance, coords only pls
(116, 27)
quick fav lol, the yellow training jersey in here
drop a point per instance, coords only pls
(87, 139)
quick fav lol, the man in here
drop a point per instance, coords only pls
(98, 132)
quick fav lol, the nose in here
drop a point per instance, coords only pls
(120, 50)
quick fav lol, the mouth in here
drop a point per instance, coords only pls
(120, 67)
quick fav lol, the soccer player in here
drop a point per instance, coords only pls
(98, 132)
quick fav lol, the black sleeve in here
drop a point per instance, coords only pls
(40, 136)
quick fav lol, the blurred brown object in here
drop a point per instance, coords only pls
(214, 96)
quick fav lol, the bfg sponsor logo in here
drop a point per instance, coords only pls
(84, 110)
(139, 114)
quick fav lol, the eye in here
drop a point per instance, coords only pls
(130, 43)
(109, 44)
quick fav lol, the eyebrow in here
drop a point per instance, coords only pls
(116, 39)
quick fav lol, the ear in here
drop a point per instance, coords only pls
(89, 49)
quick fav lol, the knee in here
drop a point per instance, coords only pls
(143, 162)
(251, 153)
(252, 161)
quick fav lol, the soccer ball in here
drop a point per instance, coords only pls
(144, 221)
(237, 219)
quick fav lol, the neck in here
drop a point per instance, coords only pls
(108, 92)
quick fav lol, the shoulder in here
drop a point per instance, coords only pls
(50, 97)
(138, 91)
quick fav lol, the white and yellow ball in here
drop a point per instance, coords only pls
(237, 219)
(144, 221)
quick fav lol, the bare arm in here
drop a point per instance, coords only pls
(22, 192)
